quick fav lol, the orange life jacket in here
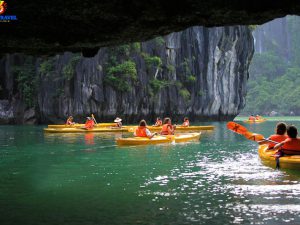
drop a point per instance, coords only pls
(257, 117)
(278, 138)
(186, 123)
(165, 129)
(158, 123)
(291, 146)
(89, 124)
(141, 132)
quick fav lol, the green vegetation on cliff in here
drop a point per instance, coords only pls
(119, 76)
(25, 76)
(274, 83)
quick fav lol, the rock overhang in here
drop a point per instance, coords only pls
(51, 27)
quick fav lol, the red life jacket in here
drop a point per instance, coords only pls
(89, 124)
(165, 129)
(278, 138)
(141, 132)
(186, 123)
(291, 146)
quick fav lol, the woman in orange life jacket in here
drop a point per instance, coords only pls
(291, 145)
(158, 122)
(70, 121)
(186, 122)
(89, 124)
(143, 131)
(251, 118)
(118, 122)
(278, 137)
(167, 128)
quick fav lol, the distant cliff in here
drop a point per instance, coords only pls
(200, 73)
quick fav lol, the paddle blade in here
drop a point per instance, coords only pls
(254, 136)
(237, 128)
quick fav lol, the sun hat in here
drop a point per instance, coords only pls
(117, 120)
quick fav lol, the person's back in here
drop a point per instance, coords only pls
(290, 146)
(279, 136)
(167, 128)
(118, 122)
(89, 124)
(143, 131)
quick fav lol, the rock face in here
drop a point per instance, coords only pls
(50, 27)
(200, 73)
(275, 36)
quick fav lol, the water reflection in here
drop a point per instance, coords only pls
(89, 139)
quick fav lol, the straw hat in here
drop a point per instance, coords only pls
(117, 120)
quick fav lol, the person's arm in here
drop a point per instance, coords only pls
(171, 130)
(278, 146)
(149, 134)
(263, 142)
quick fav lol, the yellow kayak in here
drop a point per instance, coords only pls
(158, 139)
(82, 130)
(178, 128)
(255, 121)
(80, 125)
(286, 162)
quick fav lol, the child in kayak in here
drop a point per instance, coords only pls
(70, 121)
(167, 128)
(158, 122)
(186, 122)
(89, 124)
(279, 136)
(290, 146)
(143, 131)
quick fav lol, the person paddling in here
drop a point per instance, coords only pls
(143, 131)
(186, 122)
(158, 122)
(291, 145)
(70, 121)
(89, 124)
(251, 118)
(167, 128)
(280, 136)
(118, 122)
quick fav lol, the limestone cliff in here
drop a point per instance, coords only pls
(200, 73)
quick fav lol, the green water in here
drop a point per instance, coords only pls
(87, 179)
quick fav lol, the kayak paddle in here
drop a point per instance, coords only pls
(237, 128)
(94, 119)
